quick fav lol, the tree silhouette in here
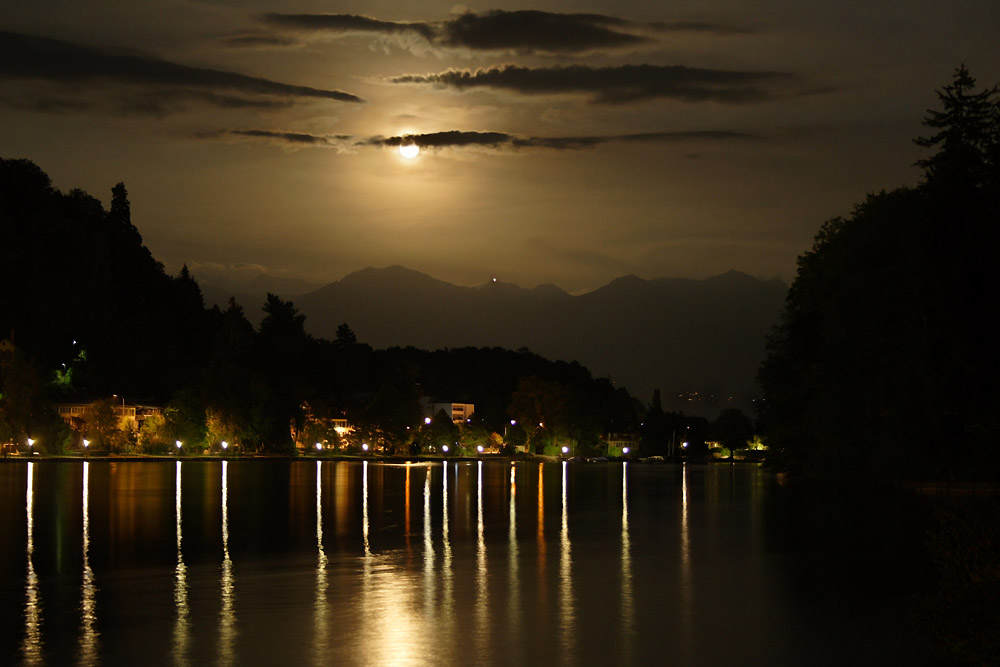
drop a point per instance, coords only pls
(884, 364)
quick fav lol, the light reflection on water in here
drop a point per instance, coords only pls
(227, 582)
(482, 569)
(328, 575)
(181, 630)
(567, 616)
(320, 641)
(88, 589)
(513, 578)
(626, 576)
(31, 647)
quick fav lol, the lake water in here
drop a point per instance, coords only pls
(461, 563)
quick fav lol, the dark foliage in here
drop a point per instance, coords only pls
(885, 363)
(97, 315)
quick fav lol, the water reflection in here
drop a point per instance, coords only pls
(541, 591)
(364, 512)
(482, 592)
(320, 607)
(181, 630)
(686, 611)
(31, 646)
(227, 615)
(541, 529)
(446, 573)
(627, 602)
(566, 613)
(514, 585)
(88, 603)
(429, 582)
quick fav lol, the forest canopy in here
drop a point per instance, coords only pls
(885, 363)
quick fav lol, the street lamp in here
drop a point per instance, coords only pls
(479, 448)
(565, 449)
(444, 448)
(86, 444)
(624, 450)
(364, 446)
(179, 444)
(319, 447)
(225, 446)
(31, 444)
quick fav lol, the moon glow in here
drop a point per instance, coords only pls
(409, 151)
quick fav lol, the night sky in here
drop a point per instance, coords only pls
(565, 143)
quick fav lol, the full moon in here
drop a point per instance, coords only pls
(409, 151)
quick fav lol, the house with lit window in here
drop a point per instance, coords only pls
(128, 413)
(618, 444)
(459, 412)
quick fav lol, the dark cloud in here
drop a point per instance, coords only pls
(27, 57)
(443, 139)
(348, 23)
(525, 30)
(299, 139)
(256, 40)
(502, 140)
(615, 85)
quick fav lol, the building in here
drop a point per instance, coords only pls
(617, 444)
(128, 414)
(459, 412)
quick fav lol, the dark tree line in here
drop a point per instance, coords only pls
(885, 364)
(93, 314)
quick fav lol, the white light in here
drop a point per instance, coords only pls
(684, 444)
(427, 420)
(624, 450)
(479, 448)
(86, 443)
(445, 448)
(364, 446)
(225, 445)
(409, 151)
(565, 450)
(178, 443)
(31, 442)
(319, 447)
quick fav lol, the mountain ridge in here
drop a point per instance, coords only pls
(683, 336)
